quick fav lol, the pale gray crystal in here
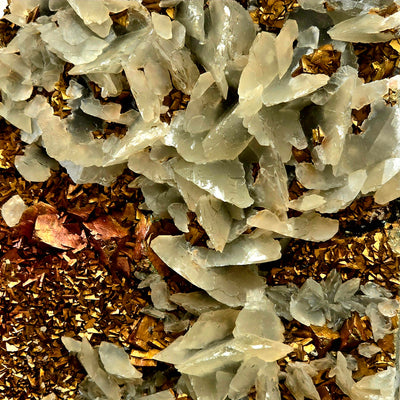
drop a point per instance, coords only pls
(280, 295)
(381, 385)
(229, 285)
(223, 179)
(284, 46)
(94, 14)
(72, 345)
(210, 327)
(205, 105)
(164, 395)
(309, 226)
(12, 210)
(116, 362)
(15, 113)
(224, 19)
(299, 381)
(89, 358)
(158, 197)
(389, 307)
(179, 213)
(110, 112)
(196, 302)
(20, 9)
(228, 353)
(289, 88)
(111, 84)
(367, 28)
(227, 139)
(368, 349)
(190, 13)
(330, 301)
(215, 219)
(45, 66)
(259, 72)
(306, 307)
(379, 323)
(158, 172)
(267, 382)
(278, 127)
(160, 295)
(247, 249)
(259, 308)
(34, 165)
(270, 190)
(162, 25)
(15, 77)
(334, 118)
(71, 40)
(245, 378)
(102, 175)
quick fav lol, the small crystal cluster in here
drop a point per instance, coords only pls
(257, 99)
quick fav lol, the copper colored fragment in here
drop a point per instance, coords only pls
(106, 228)
(50, 229)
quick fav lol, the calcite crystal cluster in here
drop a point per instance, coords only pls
(255, 123)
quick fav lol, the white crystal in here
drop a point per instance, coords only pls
(223, 45)
(196, 302)
(89, 358)
(223, 179)
(71, 40)
(35, 165)
(162, 25)
(229, 285)
(309, 226)
(367, 28)
(94, 14)
(116, 361)
(215, 219)
(190, 13)
(368, 349)
(12, 210)
(164, 395)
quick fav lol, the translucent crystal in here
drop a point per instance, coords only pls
(229, 285)
(367, 28)
(368, 349)
(223, 179)
(116, 361)
(215, 219)
(196, 302)
(190, 13)
(12, 210)
(162, 25)
(94, 14)
(35, 165)
(71, 40)
(224, 19)
(309, 226)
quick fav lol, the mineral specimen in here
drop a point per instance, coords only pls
(219, 119)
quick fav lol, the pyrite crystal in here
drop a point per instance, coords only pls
(199, 199)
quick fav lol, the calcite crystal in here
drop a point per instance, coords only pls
(265, 111)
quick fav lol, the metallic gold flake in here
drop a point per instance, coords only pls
(324, 60)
